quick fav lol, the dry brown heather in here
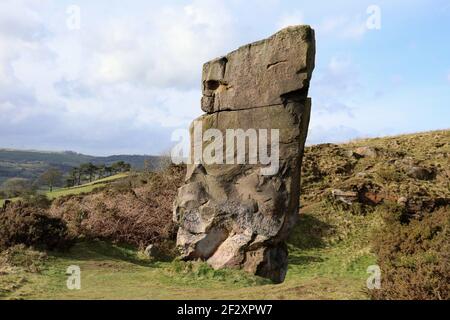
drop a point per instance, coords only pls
(136, 210)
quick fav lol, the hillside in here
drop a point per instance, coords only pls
(81, 189)
(411, 170)
(379, 201)
(30, 164)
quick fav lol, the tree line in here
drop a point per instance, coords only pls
(89, 172)
(53, 177)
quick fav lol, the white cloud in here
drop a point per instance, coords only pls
(331, 134)
(164, 49)
(334, 86)
(345, 27)
(334, 89)
(291, 19)
(137, 75)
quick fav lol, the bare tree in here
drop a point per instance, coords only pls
(51, 178)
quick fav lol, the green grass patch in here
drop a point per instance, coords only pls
(85, 188)
(108, 179)
(327, 262)
(200, 274)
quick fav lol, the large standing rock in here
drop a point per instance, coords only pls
(231, 215)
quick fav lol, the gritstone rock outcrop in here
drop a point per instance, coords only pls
(231, 215)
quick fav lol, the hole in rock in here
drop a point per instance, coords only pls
(212, 84)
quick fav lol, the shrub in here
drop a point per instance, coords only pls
(19, 256)
(16, 187)
(390, 174)
(37, 200)
(31, 226)
(193, 272)
(135, 211)
(414, 258)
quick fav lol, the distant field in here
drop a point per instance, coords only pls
(31, 164)
(85, 188)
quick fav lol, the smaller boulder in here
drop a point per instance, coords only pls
(150, 251)
(347, 197)
(421, 173)
(367, 152)
(402, 201)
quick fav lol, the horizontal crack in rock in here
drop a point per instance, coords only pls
(273, 64)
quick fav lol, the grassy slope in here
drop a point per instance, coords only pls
(111, 272)
(85, 188)
(328, 267)
(329, 249)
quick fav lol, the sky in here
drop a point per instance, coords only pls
(118, 77)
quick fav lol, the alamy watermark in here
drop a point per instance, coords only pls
(74, 280)
(234, 146)
(374, 280)
(373, 22)
(73, 21)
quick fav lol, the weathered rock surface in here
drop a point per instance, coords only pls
(264, 73)
(231, 215)
(366, 152)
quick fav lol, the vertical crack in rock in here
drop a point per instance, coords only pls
(231, 215)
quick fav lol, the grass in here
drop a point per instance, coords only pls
(320, 267)
(107, 179)
(112, 272)
(328, 257)
(85, 188)
(2, 201)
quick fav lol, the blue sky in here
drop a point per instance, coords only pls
(130, 75)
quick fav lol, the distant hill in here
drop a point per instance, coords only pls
(30, 164)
